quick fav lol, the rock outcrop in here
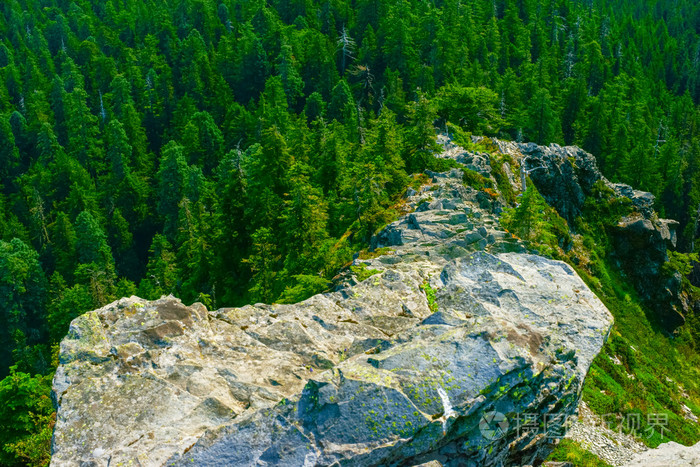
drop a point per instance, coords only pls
(437, 356)
(566, 176)
(563, 175)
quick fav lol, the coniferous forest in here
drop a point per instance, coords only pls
(235, 152)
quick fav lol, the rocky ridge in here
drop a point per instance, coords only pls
(433, 358)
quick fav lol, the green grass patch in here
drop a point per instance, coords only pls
(502, 180)
(366, 254)
(439, 164)
(474, 179)
(430, 295)
(571, 451)
(362, 272)
(650, 356)
(418, 180)
(423, 202)
(463, 139)
(305, 286)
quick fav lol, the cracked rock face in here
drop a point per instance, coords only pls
(372, 373)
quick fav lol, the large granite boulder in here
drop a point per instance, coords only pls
(436, 357)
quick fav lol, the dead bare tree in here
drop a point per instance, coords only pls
(524, 172)
(346, 46)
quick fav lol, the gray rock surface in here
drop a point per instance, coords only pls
(668, 455)
(372, 373)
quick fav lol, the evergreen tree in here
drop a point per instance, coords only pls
(291, 80)
(63, 245)
(26, 418)
(66, 304)
(82, 128)
(124, 110)
(263, 262)
(162, 274)
(96, 264)
(543, 123)
(315, 107)
(531, 218)
(203, 142)
(342, 106)
(232, 238)
(172, 176)
(194, 253)
(386, 141)
(304, 220)
(253, 69)
(22, 299)
(91, 241)
(420, 138)
(472, 108)
(9, 153)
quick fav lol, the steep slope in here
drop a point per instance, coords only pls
(438, 354)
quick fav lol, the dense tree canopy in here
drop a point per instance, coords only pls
(233, 151)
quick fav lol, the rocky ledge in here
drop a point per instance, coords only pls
(456, 338)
